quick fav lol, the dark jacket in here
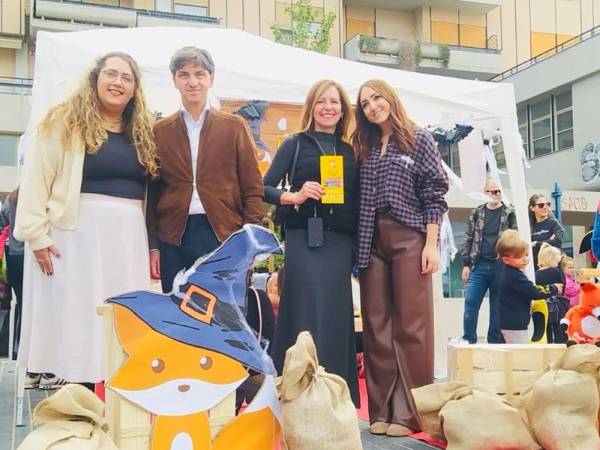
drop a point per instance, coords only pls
(550, 231)
(336, 217)
(470, 250)
(227, 178)
(515, 292)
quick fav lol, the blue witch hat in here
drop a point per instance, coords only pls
(205, 307)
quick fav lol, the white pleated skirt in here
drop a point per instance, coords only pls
(106, 255)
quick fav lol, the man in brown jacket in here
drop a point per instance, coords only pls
(209, 184)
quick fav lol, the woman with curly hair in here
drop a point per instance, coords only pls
(80, 214)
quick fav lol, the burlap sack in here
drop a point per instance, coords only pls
(316, 407)
(431, 398)
(481, 420)
(72, 419)
(562, 407)
(582, 358)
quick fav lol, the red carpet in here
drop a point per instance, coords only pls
(363, 414)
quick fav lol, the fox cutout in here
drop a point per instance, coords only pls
(179, 383)
(187, 351)
(582, 322)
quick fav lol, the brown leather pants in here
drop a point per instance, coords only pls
(397, 305)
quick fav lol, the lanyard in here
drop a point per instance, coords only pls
(323, 151)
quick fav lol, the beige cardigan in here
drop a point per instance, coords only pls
(50, 188)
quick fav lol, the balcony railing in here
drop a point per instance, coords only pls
(458, 61)
(22, 86)
(89, 12)
(548, 53)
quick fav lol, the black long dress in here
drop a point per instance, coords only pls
(317, 293)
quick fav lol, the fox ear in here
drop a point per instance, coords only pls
(130, 328)
(587, 286)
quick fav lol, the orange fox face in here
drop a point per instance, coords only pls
(167, 377)
(590, 295)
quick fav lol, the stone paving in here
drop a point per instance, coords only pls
(11, 436)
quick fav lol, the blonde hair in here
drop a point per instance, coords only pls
(307, 122)
(566, 259)
(368, 134)
(80, 115)
(511, 244)
(548, 256)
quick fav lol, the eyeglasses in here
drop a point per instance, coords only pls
(113, 75)
(494, 191)
(543, 205)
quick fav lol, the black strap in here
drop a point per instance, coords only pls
(293, 169)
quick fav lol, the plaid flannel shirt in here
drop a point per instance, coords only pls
(474, 232)
(411, 184)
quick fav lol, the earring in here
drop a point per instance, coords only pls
(341, 115)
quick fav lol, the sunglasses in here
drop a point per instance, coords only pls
(543, 205)
(494, 192)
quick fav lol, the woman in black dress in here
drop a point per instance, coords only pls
(319, 236)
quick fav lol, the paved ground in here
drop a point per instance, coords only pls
(11, 436)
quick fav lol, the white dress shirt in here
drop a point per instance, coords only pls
(194, 127)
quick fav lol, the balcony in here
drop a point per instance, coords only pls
(479, 6)
(448, 60)
(12, 24)
(73, 15)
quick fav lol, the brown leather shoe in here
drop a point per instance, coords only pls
(379, 428)
(397, 430)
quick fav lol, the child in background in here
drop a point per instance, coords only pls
(515, 290)
(572, 287)
(549, 273)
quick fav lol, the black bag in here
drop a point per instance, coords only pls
(282, 211)
(557, 308)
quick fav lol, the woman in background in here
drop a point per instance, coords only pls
(544, 226)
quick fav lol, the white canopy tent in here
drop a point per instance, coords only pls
(253, 68)
(250, 67)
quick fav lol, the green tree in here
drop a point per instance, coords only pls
(311, 27)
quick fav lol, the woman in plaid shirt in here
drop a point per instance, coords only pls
(402, 187)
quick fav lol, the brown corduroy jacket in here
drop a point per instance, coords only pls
(227, 178)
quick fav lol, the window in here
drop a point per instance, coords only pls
(282, 17)
(563, 107)
(362, 27)
(524, 128)
(164, 5)
(455, 159)
(450, 156)
(200, 11)
(541, 128)
(547, 125)
(497, 146)
(8, 150)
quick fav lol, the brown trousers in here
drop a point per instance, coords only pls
(397, 305)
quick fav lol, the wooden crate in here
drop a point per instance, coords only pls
(507, 369)
(130, 425)
(588, 274)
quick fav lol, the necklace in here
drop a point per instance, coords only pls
(111, 121)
